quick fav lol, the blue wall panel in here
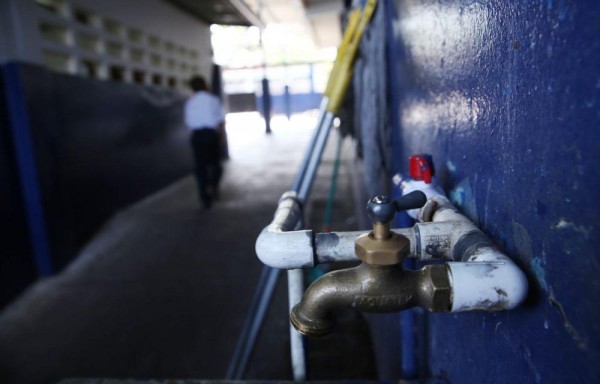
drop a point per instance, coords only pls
(96, 147)
(506, 97)
(17, 267)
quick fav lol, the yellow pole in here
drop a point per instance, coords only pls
(348, 34)
(343, 68)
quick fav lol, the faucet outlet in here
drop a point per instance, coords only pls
(379, 284)
(477, 275)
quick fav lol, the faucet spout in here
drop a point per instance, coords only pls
(370, 288)
(379, 284)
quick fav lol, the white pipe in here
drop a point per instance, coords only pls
(298, 249)
(482, 277)
(301, 188)
(295, 291)
(488, 279)
(278, 245)
(285, 250)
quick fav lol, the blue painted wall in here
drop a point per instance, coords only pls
(17, 267)
(93, 147)
(506, 96)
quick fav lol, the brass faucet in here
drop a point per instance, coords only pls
(379, 284)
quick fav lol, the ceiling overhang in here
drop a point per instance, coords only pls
(224, 12)
(321, 18)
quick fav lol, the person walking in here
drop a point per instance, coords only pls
(204, 117)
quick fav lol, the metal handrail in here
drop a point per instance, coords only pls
(269, 276)
(337, 85)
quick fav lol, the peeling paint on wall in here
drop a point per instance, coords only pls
(504, 96)
(463, 197)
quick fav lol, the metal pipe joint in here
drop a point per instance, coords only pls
(477, 277)
(278, 245)
(480, 277)
(379, 284)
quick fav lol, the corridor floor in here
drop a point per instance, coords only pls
(162, 291)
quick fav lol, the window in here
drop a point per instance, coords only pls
(114, 50)
(54, 33)
(157, 79)
(155, 59)
(171, 64)
(139, 76)
(82, 16)
(137, 55)
(76, 40)
(87, 42)
(154, 42)
(117, 73)
(56, 61)
(113, 28)
(135, 35)
(89, 68)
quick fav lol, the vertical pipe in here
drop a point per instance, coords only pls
(28, 173)
(295, 289)
(266, 99)
(306, 181)
(288, 101)
(264, 290)
(312, 77)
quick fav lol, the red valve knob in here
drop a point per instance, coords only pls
(421, 168)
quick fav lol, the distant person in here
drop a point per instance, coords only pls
(204, 116)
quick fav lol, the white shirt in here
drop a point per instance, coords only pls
(203, 110)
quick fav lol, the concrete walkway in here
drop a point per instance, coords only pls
(162, 291)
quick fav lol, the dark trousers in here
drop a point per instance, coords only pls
(206, 149)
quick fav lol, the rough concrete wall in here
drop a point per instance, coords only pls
(505, 96)
(162, 19)
(22, 41)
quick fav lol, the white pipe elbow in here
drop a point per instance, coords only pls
(285, 250)
(488, 281)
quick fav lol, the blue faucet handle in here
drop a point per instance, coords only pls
(413, 200)
(381, 209)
